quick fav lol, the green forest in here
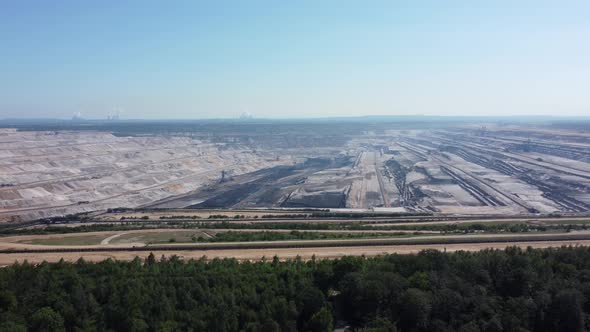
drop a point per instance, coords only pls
(491, 290)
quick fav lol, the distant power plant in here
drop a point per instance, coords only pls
(77, 116)
(246, 116)
(113, 116)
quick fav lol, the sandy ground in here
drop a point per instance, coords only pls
(112, 237)
(256, 254)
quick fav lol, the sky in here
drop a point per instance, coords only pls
(291, 59)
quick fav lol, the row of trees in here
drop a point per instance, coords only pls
(302, 226)
(510, 290)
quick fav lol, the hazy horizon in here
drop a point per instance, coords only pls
(190, 60)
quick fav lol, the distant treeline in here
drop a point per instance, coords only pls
(491, 290)
(340, 127)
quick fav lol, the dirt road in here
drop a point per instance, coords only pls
(283, 253)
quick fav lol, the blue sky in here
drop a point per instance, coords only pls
(209, 59)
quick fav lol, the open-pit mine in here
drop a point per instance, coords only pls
(458, 169)
(249, 190)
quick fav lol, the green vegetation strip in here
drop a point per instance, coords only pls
(520, 227)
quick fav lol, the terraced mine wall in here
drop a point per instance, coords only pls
(447, 168)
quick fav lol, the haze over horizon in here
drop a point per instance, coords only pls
(193, 60)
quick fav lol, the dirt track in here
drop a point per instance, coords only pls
(283, 253)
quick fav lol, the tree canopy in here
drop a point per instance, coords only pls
(491, 290)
